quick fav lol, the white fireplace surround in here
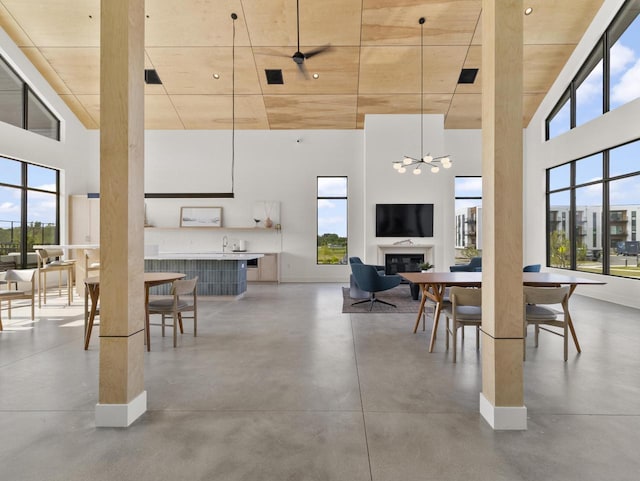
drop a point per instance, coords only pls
(426, 249)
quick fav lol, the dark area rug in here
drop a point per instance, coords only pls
(400, 296)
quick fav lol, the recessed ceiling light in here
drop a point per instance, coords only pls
(316, 76)
(216, 76)
(528, 11)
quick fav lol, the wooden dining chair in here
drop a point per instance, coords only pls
(50, 260)
(465, 310)
(538, 313)
(176, 305)
(19, 285)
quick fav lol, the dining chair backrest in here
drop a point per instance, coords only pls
(21, 276)
(183, 287)
(532, 268)
(464, 296)
(546, 295)
(46, 254)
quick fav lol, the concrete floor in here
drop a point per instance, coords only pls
(281, 385)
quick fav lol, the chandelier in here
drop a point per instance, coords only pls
(434, 163)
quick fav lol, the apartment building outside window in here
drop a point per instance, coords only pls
(583, 199)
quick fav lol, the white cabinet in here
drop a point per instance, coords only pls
(84, 224)
(266, 269)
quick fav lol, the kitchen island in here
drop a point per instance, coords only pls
(221, 274)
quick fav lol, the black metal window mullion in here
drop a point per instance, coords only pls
(572, 216)
(606, 74)
(23, 217)
(606, 213)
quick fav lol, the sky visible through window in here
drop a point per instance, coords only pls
(332, 212)
(41, 206)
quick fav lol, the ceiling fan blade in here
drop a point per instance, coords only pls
(316, 51)
(303, 70)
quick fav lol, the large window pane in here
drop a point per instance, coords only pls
(561, 121)
(41, 178)
(624, 159)
(589, 169)
(10, 171)
(625, 58)
(41, 218)
(11, 100)
(588, 228)
(468, 218)
(559, 245)
(39, 119)
(332, 220)
(589, 94)
(560, 177)
(624, 206)
(10, 212)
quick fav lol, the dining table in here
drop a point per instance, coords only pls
(433, 286)
(92, 291)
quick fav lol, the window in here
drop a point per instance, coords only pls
(29, 211)
(624, 59)
(581, 200)
(332, 220)
(468, 216)
(589, 88)
(607, 79)
(21, 107)
(559, 121)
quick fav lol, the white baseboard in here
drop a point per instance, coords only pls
(503, 417)
(121, 415)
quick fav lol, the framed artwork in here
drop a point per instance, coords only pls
(200, 216)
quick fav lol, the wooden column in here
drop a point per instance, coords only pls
(501, 400)
(122, 398)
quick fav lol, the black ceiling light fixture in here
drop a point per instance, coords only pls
(234, 17)
(428, 160)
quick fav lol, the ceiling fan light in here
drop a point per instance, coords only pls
(446, 165)
(402, 170)
(406, 161)
(435, 169)
(397, 165)
(417, 171)
(428, 159)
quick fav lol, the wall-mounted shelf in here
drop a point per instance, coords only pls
(237, 229)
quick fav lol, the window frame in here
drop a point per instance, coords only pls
(602, 49)
(346, 199)
(24, 215)
(26, 93)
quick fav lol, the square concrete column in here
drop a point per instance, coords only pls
(122, 398)
(501, 400)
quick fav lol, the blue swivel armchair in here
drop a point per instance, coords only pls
(357, 260)
(532, 268)
(369, 280)
(474, 265)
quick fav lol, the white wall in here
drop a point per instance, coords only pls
(616, 127)
(70, 155)
(389, 138)
(269, 166)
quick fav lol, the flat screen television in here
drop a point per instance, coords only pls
(404, 220)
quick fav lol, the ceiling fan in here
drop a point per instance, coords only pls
(299, 57)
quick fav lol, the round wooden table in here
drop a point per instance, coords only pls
(92, 290)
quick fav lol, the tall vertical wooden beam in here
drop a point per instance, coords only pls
(502, 399)
(122, 398)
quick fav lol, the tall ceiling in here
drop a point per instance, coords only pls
(372, 66)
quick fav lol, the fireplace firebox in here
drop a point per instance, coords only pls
(402, 262)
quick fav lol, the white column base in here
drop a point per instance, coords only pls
(121, 415)
(503, 418)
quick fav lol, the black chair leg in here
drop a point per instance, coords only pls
(383, 302)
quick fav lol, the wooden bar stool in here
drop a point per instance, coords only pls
(50, 260)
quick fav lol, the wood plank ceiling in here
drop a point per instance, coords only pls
(372, 67)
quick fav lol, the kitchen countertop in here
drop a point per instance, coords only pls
(240, 256)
